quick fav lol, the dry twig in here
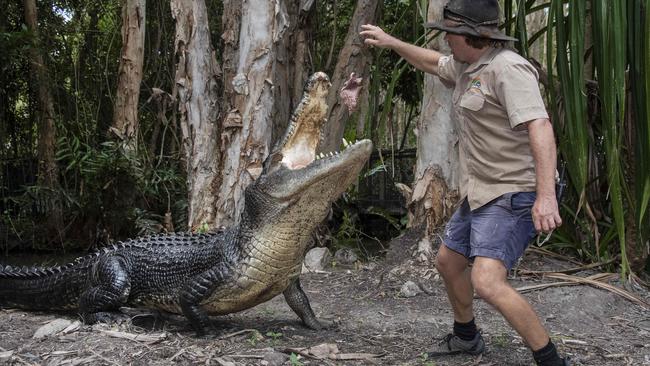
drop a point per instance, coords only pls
(145, 338)
(230, 335)
(597, 283)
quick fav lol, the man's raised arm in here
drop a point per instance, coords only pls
(421, 58)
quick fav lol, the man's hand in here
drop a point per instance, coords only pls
(546, 215)
(375, 36)
(421, 58)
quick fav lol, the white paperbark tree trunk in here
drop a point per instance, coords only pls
(435, 186)
(197, 92)
(253, 31)
(292, 68)
(125, 113)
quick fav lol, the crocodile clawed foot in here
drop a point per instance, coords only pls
(321, 324)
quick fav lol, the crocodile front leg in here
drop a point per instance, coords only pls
(198, 289)
(299, 303)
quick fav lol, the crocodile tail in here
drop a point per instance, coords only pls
(38, 288)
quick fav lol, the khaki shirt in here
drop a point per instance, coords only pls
(492, 98)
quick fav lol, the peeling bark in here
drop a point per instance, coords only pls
(437, 148)
(354, 57)
(292, 67)
(197, 91)
(253, 33)
(125, 114)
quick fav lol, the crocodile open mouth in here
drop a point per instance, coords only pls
(294, 168)
(298, 147)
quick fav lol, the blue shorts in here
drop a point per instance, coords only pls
(500, 229)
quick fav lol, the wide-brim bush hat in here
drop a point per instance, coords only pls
(478, 18)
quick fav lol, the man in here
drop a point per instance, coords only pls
(507, 169)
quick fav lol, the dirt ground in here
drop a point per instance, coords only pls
(372, 322)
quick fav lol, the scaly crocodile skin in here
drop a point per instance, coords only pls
(218, 273)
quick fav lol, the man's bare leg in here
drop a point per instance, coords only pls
(489, 278)
(453, 267)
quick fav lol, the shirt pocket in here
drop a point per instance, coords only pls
(472, 101)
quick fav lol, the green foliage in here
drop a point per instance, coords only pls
(363, 227)
(255, 337)
(275, 336)
(609, 51)
(332, 18)
(424, 360)
(348, 234)
(204, 228)
(105, 181)
(605, 146)
(120, 194)
(393, 81)
(293, 359)
(639, 48)
(573, 137)
(13, 44)
(105, 194)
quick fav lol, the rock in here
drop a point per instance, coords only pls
(345, 256)
(316, 259)
(52, 327)
(370, 266)
(325, 350)
(72, 327)
(410, 289)
(424, 254)
(273, 358)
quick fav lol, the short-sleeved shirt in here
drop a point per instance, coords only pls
(492, 98)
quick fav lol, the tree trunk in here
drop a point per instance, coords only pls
(292, 67)
(125, 113)
(534, 23)
(354, 57)
(253, 32)
(197, 91)
(435, 186)
(48, 172)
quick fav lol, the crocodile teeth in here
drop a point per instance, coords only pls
(345, 142)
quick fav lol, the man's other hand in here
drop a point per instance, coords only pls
(546, 214)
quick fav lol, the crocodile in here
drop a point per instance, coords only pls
(201, 275)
